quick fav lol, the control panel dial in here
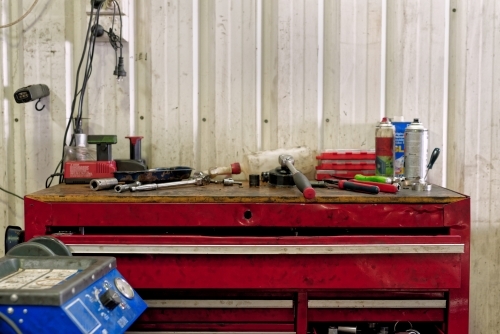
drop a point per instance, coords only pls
(110, 299)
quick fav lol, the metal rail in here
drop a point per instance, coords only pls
(268, 249)
(423, 303)
(222, 303)
(314, 304)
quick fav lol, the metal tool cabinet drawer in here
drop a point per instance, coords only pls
(341, 262)
(267, 260)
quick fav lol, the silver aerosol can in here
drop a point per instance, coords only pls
(384, 148)
(416, 150)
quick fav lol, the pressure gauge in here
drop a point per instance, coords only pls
(124, 288)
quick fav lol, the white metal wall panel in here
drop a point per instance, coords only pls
(108, 101)
(331, 71)
(352, 74)
(415, 68)
(141, 60)
(12, 143)
(475, 153)
(296, 122)
(269, 91)
(171, 114)
(234, 124)
(44, 59)
(360, 73)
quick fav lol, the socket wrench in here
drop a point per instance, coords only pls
(122, 187)
(199, 179)
(99, 184)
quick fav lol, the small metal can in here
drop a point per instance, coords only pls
(416, 150)
(384, 148)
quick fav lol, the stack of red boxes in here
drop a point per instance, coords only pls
(345, 164)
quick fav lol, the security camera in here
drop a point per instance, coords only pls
(31, 93)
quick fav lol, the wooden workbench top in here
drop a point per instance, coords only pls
(216, 193)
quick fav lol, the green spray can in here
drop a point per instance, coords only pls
(384, 148)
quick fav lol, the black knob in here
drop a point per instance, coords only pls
(265, 176)
(110, 299)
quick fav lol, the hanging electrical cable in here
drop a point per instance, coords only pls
(95, 4)
(11, 193)
(119, 68)
(21, 18)
(114, 40)
(94, 30)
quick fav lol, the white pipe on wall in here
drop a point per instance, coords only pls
(196, 90)
(258, 74)
(446, 56)
(5, 70)
(383, 53)
(131, 68)
(321, 34)
(68, 65)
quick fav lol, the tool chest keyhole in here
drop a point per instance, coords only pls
(247, 214)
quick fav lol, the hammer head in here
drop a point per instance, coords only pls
(283, 158)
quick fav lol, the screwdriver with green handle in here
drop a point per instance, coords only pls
(384, 179)
(379, 179)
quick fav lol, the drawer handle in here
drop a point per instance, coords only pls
(207, 303)
(268, 249)
(422, 303)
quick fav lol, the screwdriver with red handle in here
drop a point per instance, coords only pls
(384, 187)
(347, 185)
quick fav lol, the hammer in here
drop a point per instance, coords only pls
(299, 179)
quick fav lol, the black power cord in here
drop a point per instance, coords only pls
(11, 323)
(88, 72)
(95, 4)
(119, 68)
(10, 193)
(94, 30)
(114, 40)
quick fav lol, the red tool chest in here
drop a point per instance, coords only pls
(239, 259)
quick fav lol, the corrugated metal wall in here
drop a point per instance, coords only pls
(473, 150)
(210, 81)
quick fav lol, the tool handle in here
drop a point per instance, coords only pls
(304, 185)
(434, 156)
(379, 179)
(235, 168)
(144, 187)
(353, 186)
(385, 188)
(177, 183)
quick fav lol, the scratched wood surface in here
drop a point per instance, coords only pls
(215, 193)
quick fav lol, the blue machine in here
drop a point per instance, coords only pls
(41, 293)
